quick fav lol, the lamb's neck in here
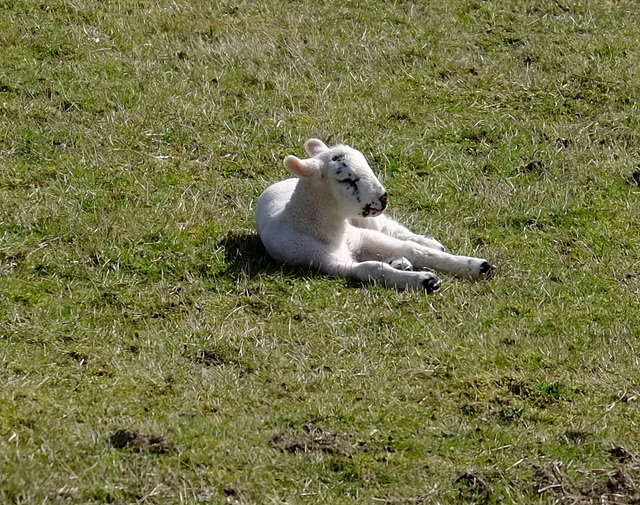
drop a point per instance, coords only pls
(313, 209)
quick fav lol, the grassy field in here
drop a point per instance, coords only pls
(150, 352)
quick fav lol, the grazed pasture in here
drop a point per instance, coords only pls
(150, 352)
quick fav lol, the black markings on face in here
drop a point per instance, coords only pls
(352, 183)
(367, 210)
(341, 165)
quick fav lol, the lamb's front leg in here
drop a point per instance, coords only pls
(367, 271)
(377, 245)
(341, 263)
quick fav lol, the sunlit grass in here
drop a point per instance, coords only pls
(151, 352)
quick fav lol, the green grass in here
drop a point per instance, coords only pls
(135, 138)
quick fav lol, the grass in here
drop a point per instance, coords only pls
(150, 351)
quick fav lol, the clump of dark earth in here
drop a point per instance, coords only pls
(474, 486)
(634, 178)
(140, 442)
(316, 440)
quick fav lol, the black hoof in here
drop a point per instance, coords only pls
(486, 270)
(431, 284)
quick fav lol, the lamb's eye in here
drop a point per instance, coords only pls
(351, 183)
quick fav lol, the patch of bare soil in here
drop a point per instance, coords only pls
(634, 178)
(316, 440)
(140, 442)
(474, 486)
(220, 355)
(535, 166)
(619, 485)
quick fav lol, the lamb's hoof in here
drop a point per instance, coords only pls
(432, 284)
(401, 264)
(486, 270)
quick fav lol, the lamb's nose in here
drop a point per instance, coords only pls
(383, 201)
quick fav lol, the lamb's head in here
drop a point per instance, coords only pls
(344, 171)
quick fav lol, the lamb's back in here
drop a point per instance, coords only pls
(273, 200)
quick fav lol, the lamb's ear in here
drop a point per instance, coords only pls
(303, 168)
(314, 146)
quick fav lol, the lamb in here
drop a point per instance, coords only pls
(330, 217)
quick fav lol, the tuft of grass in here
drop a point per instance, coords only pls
(150, 350)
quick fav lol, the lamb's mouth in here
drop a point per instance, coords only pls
(370, 211)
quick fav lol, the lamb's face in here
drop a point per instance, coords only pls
(356, 189)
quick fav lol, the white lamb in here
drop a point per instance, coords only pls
(330, 217)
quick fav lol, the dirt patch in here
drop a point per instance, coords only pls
(622, 454)
(508, 398)
(234, 496)
(533, 167)
(316, 440)
(576, 436)
(140, 442)
(220, 355)
(618, 485)
(474, 486)
(540, 395)
(216, 356)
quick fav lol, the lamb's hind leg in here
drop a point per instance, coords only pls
(393, 228)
